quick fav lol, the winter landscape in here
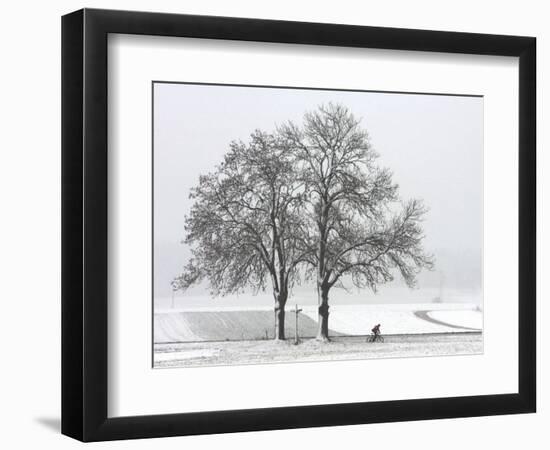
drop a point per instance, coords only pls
(298, 226)
(219, 335)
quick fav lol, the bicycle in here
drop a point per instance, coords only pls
(375, 337)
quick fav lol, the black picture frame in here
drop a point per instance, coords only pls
(84, 224)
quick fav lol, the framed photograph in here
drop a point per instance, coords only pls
(272, 224)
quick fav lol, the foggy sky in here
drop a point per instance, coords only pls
(432, 143)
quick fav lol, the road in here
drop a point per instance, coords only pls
(195, 354)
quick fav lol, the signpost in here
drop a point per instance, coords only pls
(296, 312)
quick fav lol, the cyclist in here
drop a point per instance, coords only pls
(376, 332)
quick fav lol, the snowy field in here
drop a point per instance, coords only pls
(307, 296)
(340, 348)
(199, 335)
(221, 323)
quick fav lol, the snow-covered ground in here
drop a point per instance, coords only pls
(194, 354)
(164, 357)
(219, 323)
(307, 296)
(466, 318)
(401, 319)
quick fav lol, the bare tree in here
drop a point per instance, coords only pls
(363, 234)
(244, 224)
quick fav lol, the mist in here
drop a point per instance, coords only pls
(432, 143)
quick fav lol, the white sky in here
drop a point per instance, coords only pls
(432, 143)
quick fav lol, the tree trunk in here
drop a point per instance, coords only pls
(322, 334)
(280, 302)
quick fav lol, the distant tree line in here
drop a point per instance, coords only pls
(303, 203)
